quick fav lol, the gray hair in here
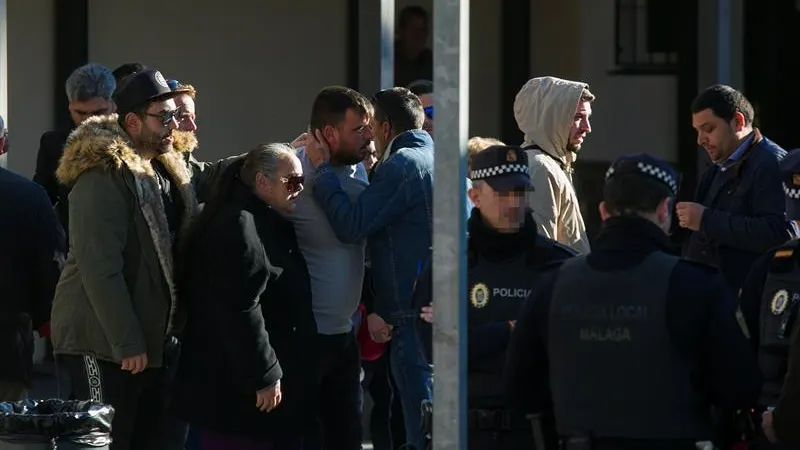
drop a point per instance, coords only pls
(264, 159)
(90, 81)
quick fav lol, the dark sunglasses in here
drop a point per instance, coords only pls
(429, 112)
(165, 117)
(294, 183)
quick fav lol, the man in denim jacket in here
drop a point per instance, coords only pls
(395, 213)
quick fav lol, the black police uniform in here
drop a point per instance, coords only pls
(502, 269)
(770, 301)
(629, 346)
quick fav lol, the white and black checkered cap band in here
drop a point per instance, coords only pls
(653, 171)
(498, 170)
(791, 191)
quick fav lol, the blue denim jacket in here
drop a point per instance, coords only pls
(395, 213)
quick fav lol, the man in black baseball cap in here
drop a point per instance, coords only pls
(113, 315)
(147, 110)
(500, 178)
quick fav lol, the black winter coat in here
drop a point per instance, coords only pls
(249, 322)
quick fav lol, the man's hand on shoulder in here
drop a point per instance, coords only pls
(317, 148)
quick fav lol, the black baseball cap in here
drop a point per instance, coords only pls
(503, 167)
(139, 88)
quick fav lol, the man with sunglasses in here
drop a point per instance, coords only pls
(115, 312)
(89, 89)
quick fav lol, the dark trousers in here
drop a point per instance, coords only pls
(507, 440)
(386, 425)
(139, 401)
(339, 393)
(12, 391)
(209, 440)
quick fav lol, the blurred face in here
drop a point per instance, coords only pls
(427, 104)
(80, 111)
(580, 126)
(718, 137)
(503, 211)
(152, 133)
(350, 140)
(414, 34)
(187, 120)
(281, 192)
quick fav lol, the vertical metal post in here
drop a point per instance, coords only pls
(724, 41)
(3, 74)
(451, 103)
(387, 44)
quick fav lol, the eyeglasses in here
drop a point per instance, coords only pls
(429, 112)
(166, 116)
(294, 183)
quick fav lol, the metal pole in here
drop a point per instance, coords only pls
(387, 44)
(451, 103)
(724, 41)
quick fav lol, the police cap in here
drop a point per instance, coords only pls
(503, 167)
(790, 175)
(646, 165)
(140, 88)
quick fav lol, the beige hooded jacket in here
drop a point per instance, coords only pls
(544, 110)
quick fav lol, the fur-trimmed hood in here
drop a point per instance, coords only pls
(101, 143)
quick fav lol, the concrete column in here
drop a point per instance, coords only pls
(451, 102)
(720, 43)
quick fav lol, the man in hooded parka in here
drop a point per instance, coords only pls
(554, 115)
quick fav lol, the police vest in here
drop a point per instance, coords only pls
(496, 291)
(614, 371)
(779, 308)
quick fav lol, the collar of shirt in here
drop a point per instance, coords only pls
(738, 153)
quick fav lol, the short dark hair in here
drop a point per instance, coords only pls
(633, 194)
(421, 87)
(410, 12)
(332, 103)
(724, 101)
(127, 69)
(400, 108)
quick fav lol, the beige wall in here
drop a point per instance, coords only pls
(632, 113)
(257, 71)
(31, 71)
(257, 65)
(557, 37)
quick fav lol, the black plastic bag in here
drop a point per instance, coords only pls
(80, 422)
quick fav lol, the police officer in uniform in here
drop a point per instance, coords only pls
(770, 303)
(504, 253)
(630, 346)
